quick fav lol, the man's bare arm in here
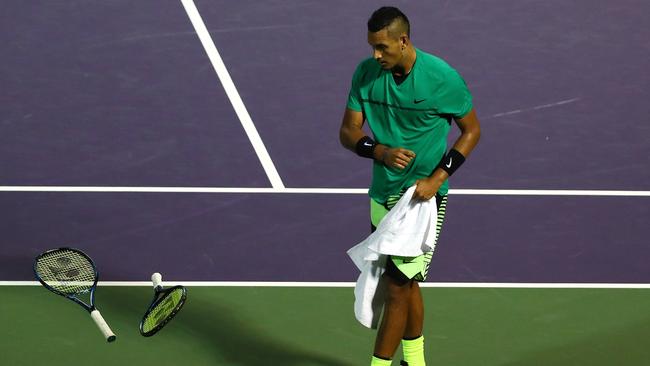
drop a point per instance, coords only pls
(351, 129)
(470, 129)
(351, 132)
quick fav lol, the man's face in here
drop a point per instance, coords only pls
(386, 50)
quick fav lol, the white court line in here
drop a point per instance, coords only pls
(233, 95)
(487, 192)
(507, 113)
(551, 105)
(543, 106)
(351, 284)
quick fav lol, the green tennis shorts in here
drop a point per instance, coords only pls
(408, 268)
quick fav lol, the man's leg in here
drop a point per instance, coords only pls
(415, 321)
(413, 341)
(393, 323)
(396, 311)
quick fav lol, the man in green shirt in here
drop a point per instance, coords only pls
(409, 98)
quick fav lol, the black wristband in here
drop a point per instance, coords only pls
(366, 147)
(452, 161)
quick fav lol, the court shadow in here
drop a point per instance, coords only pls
(239, 343)
(228, 338)
(624, 346)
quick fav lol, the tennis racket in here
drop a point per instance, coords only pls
(165, 305)
(71, 273)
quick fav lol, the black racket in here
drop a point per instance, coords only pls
(165, 305)
(71, 273)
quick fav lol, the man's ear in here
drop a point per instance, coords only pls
(403, 40)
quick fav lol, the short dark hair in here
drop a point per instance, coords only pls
(385, 16)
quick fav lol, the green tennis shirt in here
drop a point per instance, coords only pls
(414, 115)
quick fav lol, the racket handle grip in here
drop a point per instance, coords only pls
(156, 278)
(103, 326)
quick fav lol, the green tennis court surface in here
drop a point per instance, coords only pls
(315, 326)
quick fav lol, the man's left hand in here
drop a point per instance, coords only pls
(426, 188)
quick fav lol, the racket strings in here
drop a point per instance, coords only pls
(163, 310)
(66, 271)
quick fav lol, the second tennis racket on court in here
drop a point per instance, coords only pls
(165, 305)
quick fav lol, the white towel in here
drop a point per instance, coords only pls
(408, 230)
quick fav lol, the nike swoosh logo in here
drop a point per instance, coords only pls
(449, 165)
(418, 101)
(367, 144)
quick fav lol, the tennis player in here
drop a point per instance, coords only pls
(409, 98)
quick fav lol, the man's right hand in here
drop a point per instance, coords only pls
(396, 157)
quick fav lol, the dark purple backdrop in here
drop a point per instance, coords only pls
(121, 93)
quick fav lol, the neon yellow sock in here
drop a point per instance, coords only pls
(380, 362)
(414, 351)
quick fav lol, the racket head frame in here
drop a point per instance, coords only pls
(159, 296)
(89, 307)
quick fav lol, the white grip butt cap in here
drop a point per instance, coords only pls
(156, 278)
